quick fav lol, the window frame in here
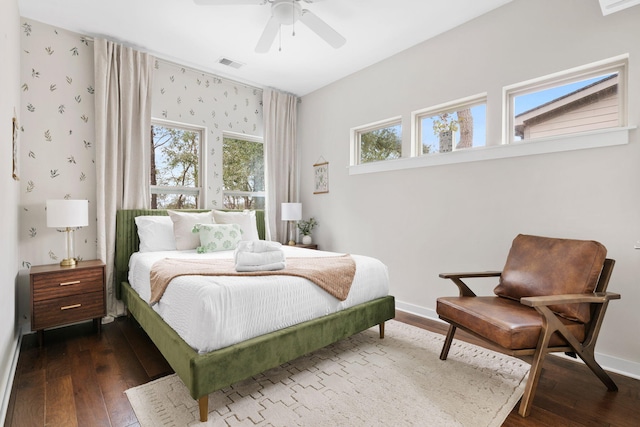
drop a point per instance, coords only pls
(199, 191)
(248, 138)
(618, 64)
(356, 133)
(444, 108)
(500, 148)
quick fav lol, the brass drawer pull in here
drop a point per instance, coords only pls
(67, 307)
(75, 282)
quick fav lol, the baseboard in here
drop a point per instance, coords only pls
(624, 367)
(12, 374)
(417, 310)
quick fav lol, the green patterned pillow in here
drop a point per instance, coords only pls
(217, 237)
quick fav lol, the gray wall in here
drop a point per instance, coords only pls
(463, 217)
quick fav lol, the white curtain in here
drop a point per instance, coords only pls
(123, 80)
(281, 163)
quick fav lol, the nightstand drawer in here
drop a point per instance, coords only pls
(64, 283)
(60, 311)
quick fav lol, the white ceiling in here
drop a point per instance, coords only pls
(198, 36)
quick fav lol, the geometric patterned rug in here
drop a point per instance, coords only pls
(359, 381)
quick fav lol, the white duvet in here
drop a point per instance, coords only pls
(212, 312)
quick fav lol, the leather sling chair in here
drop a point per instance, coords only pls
(551, 297)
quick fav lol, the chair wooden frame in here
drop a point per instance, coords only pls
(599, 301)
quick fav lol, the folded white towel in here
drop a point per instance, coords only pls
(266, 267)
(258, 246)
(258, 258)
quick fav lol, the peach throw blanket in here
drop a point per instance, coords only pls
(333, 274)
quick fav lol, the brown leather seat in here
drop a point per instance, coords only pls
(551, 297)
(509, 324)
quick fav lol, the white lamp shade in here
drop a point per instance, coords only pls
(67, 213)
(291, 211)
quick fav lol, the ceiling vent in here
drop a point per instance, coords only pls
(229, 63)
(610, 6)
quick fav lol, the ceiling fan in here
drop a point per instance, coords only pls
(285, 12)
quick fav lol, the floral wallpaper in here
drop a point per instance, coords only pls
(192, 97)
(57, 153)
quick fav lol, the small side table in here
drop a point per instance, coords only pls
(310, 246)
(64, 295)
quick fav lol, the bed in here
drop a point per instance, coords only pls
(206, 372)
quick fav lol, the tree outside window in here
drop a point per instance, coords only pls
(381, 144)
(175, 158)
(243, 173)
(451, 130)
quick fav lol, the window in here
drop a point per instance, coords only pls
(377, 142)
(449, 127)
(581, 108)
(243, 172)
(175, 165)
(573, 102)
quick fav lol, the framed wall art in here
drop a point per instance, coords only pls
(321, 178)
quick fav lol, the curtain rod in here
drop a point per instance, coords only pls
(177, 64)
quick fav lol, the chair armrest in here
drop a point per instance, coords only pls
(596, 297)
(462, 287)
(470, 275)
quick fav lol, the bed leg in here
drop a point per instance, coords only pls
(203, 404)
(381, 326)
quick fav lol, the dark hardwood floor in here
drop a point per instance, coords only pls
(78, 379)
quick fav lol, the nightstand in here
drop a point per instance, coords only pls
(64, 295)
(310, 246)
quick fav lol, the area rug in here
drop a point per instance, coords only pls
(359, 381)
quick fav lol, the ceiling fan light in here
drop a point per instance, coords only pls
(286, 12)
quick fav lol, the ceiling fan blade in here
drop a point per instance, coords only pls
(268, 36)
(228, 2)
(322, 29)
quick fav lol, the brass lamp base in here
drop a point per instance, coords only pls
(292, 242)
(68, 262)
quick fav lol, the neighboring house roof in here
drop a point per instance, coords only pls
(579, 103)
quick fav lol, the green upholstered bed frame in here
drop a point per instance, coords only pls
(127, 241)
(206, 373)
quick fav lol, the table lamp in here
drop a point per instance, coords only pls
(68, 215)
(291, 212)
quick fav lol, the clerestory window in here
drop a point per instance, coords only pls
(576, 101)
(449, 127)
(377, 142)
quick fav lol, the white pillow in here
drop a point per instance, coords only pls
(217, 237)
(155, 233)
(183, 223)
(245, 219)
